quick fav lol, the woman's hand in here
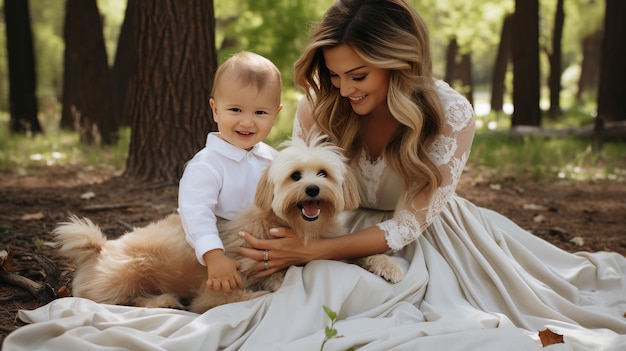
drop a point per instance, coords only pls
(275, 254)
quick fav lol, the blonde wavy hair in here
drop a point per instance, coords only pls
(388, 34)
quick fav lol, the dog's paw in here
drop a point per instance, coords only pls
(159, 301)
(383, 266)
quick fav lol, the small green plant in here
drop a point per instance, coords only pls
(331, 332)
(39, 243)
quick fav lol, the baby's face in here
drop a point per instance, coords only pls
(243, 113)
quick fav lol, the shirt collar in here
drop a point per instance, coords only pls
(233, 152)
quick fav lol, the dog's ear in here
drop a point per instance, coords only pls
(264, 191)
(350, 191)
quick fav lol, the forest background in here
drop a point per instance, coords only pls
(95, 68)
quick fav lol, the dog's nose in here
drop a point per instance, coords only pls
(312, 190)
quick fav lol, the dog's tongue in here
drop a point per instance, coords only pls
(310, 209)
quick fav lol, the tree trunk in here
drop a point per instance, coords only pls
(123, 64)
(525, 48)
(175, 61)
(554, 79)
(590, 66)
(451, 64)
(459, 72)
(88, 101)
(23, 104)
(611, 92)
(501, 65)
(465, 76)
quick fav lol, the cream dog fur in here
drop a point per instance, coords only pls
(304, 188)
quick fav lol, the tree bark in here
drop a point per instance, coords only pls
(88, 101)
(501, 65)
(175, 60)
(554, 79)
(525, 48)
(23, 104)
(123, 64)
(611, 92)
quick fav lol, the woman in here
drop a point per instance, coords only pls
(369, 85)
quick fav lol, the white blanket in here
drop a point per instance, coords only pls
(485, 285)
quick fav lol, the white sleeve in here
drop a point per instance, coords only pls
(449, 152)
(197, 199)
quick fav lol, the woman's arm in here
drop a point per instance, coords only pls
(450, 152)
(287, 250)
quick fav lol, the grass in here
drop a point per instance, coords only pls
(547, 159)
(495, 154)
(505, 157)
(59, 148)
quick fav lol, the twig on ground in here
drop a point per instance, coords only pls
(104, 207)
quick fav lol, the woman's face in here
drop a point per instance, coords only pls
(363, 84)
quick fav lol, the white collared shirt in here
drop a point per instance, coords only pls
(219, 181)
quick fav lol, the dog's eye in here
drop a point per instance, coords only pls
(322, 174)
(296, 176)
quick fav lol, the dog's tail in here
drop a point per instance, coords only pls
(80, 239)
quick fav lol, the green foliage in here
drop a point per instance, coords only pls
(113, 12)
(330, 331)
(276, 29)
(47, 18)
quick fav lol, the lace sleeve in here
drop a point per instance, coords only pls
(449, 152)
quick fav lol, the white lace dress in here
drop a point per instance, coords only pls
(482, 266)
(473, 280)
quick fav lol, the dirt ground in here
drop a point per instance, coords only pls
(575, 216)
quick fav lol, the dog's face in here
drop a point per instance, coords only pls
(307, 182)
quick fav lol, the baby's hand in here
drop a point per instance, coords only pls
(222, 272)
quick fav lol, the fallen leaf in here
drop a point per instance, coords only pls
(534, 207)
(63, 292)
(539, 218)
(548, 337)
(33, 216)
(495, 186)
(578, 240)
(88, 195)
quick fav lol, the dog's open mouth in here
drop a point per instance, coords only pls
(310, 209)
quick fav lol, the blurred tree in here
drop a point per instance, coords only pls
(88, 101)
(459, 70)
(525, 49)
(23, 104)
(122, 65)
(611, 92)
(500, 66)
(582, 38)
(554, 57)
(173, 67)
(590, 65)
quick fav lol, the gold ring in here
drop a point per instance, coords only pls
(267, 265)
(266, 255)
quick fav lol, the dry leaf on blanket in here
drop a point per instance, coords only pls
(548, 337)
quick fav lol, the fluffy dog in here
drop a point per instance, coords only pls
(304, 188)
